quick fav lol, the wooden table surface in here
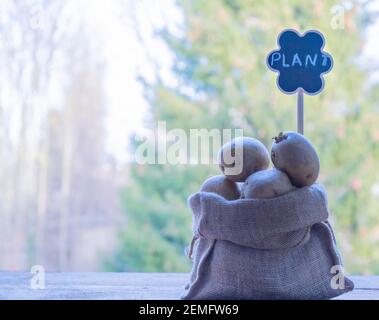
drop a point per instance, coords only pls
(128, 286)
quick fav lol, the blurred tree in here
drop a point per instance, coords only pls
(58, 184)
(30, 37)
(80, 178)
(223, 82)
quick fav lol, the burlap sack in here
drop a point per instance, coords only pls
(280, 248)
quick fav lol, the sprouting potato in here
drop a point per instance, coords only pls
(269, 183)
(294, 154)
(222, 186)
(241, 157)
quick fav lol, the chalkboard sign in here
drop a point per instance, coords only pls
(300, 62)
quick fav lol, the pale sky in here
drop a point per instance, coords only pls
(126, 58)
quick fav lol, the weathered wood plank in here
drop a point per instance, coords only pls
(98, 286)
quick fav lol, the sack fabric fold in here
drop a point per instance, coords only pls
(279, 248)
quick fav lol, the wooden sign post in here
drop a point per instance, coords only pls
(300, 111)
(301, 64)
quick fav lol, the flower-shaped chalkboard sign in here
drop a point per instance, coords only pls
(300, 62)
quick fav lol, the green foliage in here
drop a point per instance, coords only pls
(221, 57)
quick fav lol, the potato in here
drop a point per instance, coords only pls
(269, 183)
(221, 186)
(241, 157)
(293, 153)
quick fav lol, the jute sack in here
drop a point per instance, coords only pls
(280, 248)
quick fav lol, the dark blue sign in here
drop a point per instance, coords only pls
(300, 62)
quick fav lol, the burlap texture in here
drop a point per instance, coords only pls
(280, 248)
